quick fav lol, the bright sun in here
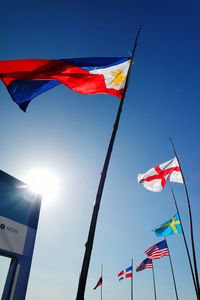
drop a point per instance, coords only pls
(44, 182)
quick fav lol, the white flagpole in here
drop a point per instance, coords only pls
(154, 283)
(132, 280)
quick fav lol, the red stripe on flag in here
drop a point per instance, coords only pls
(128, 275)
(121, 273)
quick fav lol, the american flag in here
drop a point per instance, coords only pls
(146, 264)
(158, 250)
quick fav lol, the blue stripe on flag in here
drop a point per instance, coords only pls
(129, 269)
(26, 90)
(94, 63)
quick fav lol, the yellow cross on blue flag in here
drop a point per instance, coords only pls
(173, 226)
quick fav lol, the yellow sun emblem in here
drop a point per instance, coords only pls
(118, 77)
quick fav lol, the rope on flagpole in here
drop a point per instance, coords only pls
(191, 224)
(185, 242)
(90, 240)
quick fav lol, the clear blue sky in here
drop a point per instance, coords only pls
(69, 133)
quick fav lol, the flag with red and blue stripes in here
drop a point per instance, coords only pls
(158, 250)
(145, 264)
(126, 273)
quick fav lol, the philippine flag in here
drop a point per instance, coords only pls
(25, 79)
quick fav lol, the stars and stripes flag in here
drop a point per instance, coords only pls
(145, 264)
(25, 79)
(155, 179)
(172, 226)
(126, 273)
(158, 250)
(99, 283)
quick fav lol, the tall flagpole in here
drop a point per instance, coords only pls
(90, 240)
(173, 276)
(191, 225)
(185, 242)
(154, 283)
(102, 280)
(132, 280)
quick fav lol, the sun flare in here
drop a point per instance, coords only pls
(44, 182)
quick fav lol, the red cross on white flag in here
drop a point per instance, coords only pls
(155, 179)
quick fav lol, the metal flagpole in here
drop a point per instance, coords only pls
(185, 242)
(170, 260)
(132, 280)
(101, 280)
(191, 225)
(154, 283)
(90, 240)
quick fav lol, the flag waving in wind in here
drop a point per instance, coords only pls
(127, 273)
(121, 275)
(158, 250)
(145, 264)
(173, 226)
(99, 283)
(25, 79)
(155, 179)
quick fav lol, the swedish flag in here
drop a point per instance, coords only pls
(173, 226)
